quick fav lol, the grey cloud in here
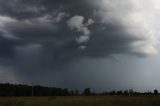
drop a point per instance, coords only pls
(39, 35)
(113, 31)
(131, 21)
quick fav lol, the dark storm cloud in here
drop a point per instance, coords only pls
(24, 9)
(48, 34)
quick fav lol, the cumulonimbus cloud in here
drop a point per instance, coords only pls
(101, 28)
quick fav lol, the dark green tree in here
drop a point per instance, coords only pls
(76, 92)
(156, 92)
(87, 92)
(126, 92)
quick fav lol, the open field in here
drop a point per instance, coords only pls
(81, 101)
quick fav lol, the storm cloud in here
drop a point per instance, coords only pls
(37, 35)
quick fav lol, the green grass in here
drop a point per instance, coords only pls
(81, 101)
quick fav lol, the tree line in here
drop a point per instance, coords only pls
(7, 89)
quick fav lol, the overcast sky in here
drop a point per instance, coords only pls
(101, 44)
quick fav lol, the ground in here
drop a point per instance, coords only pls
(81, 101)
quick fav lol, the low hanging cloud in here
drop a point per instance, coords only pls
(60, 31)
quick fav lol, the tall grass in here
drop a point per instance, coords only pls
(81, 101)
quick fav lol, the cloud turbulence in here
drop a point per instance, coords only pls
(38, 35)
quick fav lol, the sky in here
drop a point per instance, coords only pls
(100, 44)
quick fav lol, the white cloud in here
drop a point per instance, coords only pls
(60, 16)
(3, 22)
(89, 22)
(77, 23)
(82, 39)
(138, 19)
(8, 24)
(82, 47)
(143, 48)
(47, 19)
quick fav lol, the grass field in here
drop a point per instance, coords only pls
(81, 101)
